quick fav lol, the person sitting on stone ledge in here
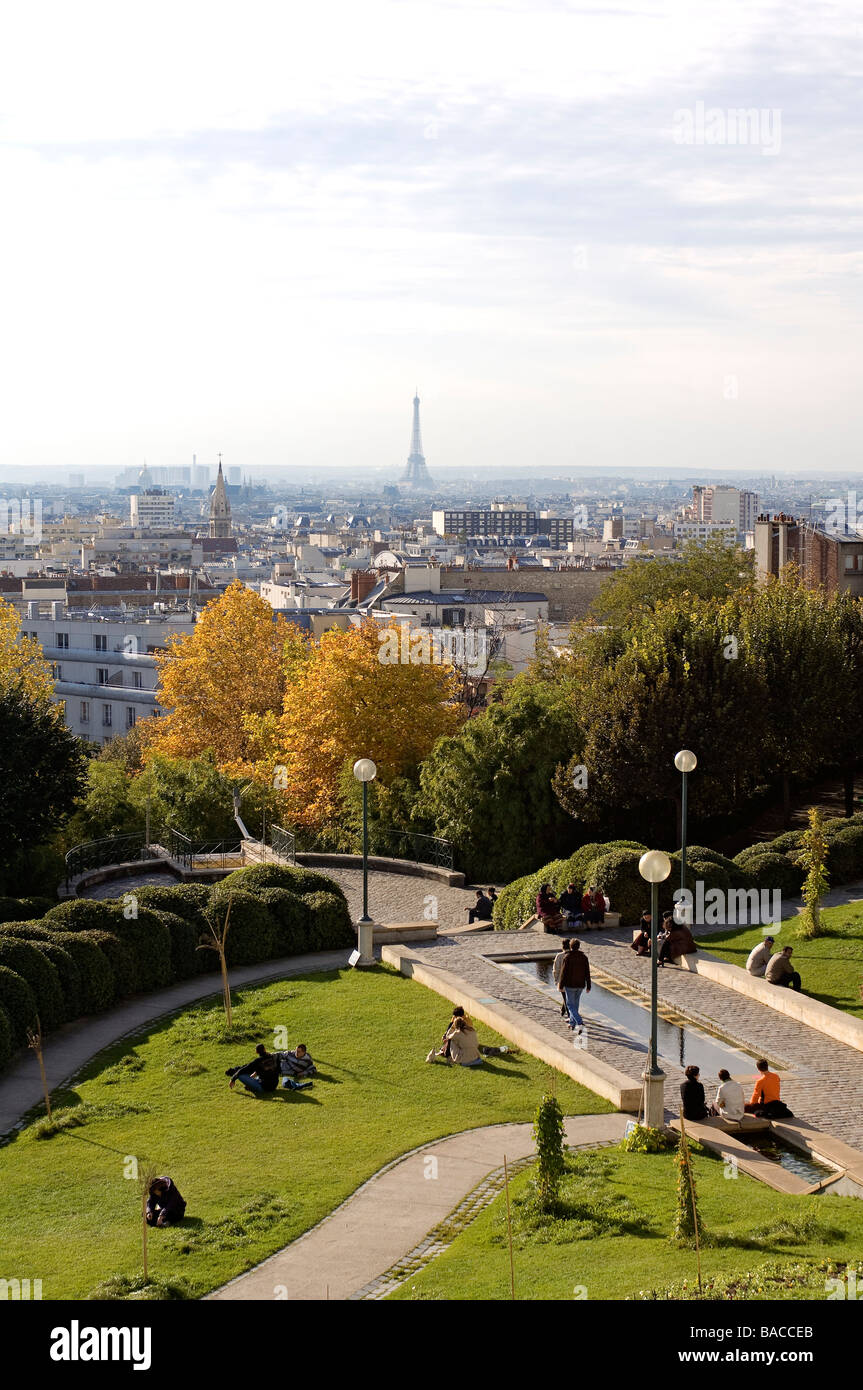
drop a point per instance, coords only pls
(781, 972)
(693, 1104)
(641, 943)
(481, 910)
(765, 1100)
(759, 958)
(729, 1098)
(570, 901)
(678, 942)
(548, 909)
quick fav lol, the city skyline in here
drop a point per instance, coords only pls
(256, 237)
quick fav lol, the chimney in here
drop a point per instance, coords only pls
(362, 583)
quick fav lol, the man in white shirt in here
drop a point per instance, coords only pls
(729, 1098)
(759, 956)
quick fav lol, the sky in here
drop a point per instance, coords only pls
(257, 229)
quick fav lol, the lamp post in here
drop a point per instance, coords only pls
(685, 761)
(654, 867)
(365, 772)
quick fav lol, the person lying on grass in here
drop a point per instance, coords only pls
(164, 1203)
(261, 1075)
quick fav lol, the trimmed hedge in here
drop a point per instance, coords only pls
(119, 955)
(845, 854)
(774, 871)
(5, 1039)
(63, 962)
(291, 919)
(13, 910)
(26, 959)
(84, 914)
(19, 1002)
(331, 925)
(150, 943)
(98, 983)
(37, 907)
(187, 900)
(293, 877)
(185, 957)
(251, 930)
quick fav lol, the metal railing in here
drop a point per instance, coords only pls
(206, 854)
(283, 843)
(114, 849)
(410, 846)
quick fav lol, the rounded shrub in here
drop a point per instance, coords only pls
(251, 929)
(184, 942)
(13, 910)
(5, 1039)
(84, 914)
(331, 926)
(150, 943)
(617, 873)
(736, 877)
(579, 862)
(775, 871)
(845, 854)
(293, 877)
(786, 843)
(506, 915)
(291, 919)
(186, 900)
(711, 874)
(98, 984)
(19, 1002)
(37, 907)
(26, 959)
(120, 958)
(64, 964)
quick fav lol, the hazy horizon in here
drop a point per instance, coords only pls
(256, 231)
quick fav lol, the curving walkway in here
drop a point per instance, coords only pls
(351, 1253)
(69, 1048)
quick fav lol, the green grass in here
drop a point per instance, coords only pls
(255, 1173)
(831, 967)
(613, 1242)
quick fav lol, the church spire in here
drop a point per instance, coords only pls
(220, 508)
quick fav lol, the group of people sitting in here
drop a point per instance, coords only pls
(571, 907)
(673, 938)
(269, 1070)
(775, 969)
(460, 1046)
(728, 1104)
(483, 907)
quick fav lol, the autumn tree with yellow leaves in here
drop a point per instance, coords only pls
(347, 697)
(231, 667)
(23, 668)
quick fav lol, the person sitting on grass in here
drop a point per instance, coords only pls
(296, 1067)
(258, 1076)
(781, 972)
(165, 1206)
(463, 1044)
(445, 1049)
(765, 1100)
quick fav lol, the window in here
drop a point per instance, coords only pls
(100, 642)
(56, 671)
(101, 675)
(130, 717)
(107, 717)
(137, 680)
(85, 711)
(63, 640)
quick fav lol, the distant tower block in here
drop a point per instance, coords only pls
(220, 509)
(416, 474)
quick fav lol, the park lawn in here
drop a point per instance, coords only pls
(831, 967)
(255, 1173)
(752, 1226)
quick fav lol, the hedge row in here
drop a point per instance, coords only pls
(82, 956)
(769, 865)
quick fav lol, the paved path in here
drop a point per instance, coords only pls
(389, 1216)
(70, 1047)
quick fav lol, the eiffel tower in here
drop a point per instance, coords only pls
(416, 474)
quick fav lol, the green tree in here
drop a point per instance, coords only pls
(688, 1228)
(711, 570)
(488, 788)
(43, 772)
(548, 1135)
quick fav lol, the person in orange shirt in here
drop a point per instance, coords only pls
(765, 1100)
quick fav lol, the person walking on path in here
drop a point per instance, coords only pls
(574, 979)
